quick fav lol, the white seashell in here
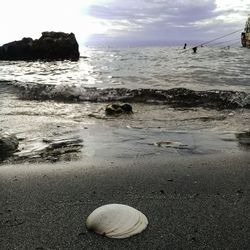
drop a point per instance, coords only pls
(117, 221)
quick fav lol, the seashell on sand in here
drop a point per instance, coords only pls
(116, 221)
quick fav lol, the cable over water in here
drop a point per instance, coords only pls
(213, 40)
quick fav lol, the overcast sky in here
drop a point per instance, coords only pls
(126, 22)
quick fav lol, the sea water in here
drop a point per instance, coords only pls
(183, 103)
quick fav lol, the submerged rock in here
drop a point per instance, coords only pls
(50, 46)
(118, 109)
(171, 144)
(50, 151)
(243, 138)
(8, 145)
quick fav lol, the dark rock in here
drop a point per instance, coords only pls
(127, 108)
(118, 109)
(243, 138)
(239, 191)
(52, 151)
(49, 47)
(8, 145)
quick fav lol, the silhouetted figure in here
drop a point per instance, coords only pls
(185, 45)
(194, 49)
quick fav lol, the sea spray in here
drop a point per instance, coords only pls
(175, 97)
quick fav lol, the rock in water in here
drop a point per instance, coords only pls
(8, 145)
(118, 109)
(49, 47)
(116, 221)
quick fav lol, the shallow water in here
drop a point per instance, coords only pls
(41, 119)
(152, 67)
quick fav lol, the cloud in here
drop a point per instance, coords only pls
(119, 21)
(170, 20)
(149, 20)
(180, 11)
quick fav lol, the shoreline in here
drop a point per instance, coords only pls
(192, 202)
(122, 139)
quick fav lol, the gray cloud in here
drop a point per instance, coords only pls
(159, 20)
(179, 10)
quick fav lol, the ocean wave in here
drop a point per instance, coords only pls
(175, 97)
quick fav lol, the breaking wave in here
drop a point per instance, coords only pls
(175, 97)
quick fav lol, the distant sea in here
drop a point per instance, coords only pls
(183, 103)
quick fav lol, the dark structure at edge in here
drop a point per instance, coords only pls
(51, 46)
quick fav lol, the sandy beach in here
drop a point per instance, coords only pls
(140, 103)
(192, 202)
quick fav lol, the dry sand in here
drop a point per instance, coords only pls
(191, 202)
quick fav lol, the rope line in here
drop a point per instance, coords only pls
(210, 41)
(219, 38)
(224, 41)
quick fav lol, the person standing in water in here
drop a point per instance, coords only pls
(185, 45)
(194, 49)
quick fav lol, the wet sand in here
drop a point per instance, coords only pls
(192, 202)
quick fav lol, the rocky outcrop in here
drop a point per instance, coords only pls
(49, 47)
(8, 145)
